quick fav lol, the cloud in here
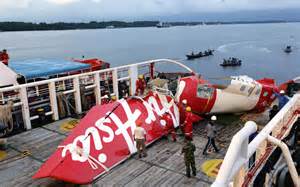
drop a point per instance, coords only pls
(79, 10)
(4, 4)
(97, 1)
(62, 2)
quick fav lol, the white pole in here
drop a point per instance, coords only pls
(274, 123)
(115, 83)
(77, 95)
(288, 158)
(97, 89)
(25, 108)
(53, 101)
(236, 155)
(133, 74)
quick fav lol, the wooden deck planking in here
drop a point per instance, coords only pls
(199, 141)
(184, 181)
(40, 143)
(165, 156)
(175, 161)
(9, 154)
(123, 173)
(18, 171)
(156, 176)
(56, 126)
(161, 151)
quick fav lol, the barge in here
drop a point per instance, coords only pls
(90, 82)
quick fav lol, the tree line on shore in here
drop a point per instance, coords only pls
(28, 26)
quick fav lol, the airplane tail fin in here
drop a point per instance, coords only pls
(267, 81)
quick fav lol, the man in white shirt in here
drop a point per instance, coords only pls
(139, 136)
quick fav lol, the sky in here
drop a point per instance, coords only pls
(104, 10)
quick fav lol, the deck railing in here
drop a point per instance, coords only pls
(235, 170)
(73, 84)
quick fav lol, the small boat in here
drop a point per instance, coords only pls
(191, 56)
(231, 62)
(288, 49)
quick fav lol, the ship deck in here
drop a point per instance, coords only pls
(164, 165)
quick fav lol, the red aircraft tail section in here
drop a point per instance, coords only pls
(267, 81)
(57, 163)
(103, 138)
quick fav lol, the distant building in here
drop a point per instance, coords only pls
(163, 25)
(110, 27)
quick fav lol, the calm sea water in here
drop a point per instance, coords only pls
(260, 46)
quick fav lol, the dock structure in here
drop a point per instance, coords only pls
(164, 165)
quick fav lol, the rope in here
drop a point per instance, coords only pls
(91, 160)
(26, 153)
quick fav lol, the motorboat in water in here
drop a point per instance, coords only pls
(206, 53)
(288, 49)
(231, 62)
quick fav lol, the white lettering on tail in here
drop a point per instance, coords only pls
(80, 148)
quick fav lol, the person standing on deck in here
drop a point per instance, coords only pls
(4, 57)
(105, 99)
(139, 136)
(273, 111)
(282, 99)
(188, 150)
(188, 122)
(211, 134)
(123, 90)
(182, 107)
(169, 126)
(140, 85)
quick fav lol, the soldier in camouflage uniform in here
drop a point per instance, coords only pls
(189, 158)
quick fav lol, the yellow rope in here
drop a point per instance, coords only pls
(69, 125)
(26, 153)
